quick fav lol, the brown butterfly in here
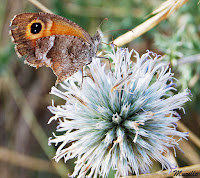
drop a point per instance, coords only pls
(53, 41)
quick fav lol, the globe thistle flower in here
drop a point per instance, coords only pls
(120, 118)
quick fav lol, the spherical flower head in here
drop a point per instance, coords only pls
(118, 117)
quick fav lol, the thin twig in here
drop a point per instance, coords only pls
(166, 9)
(192, 136)
(190, 154)
(189, 59)
(170, 156)
(40, 6)
(25, 161)
(193, 80)
(161, 174)
(31, 121)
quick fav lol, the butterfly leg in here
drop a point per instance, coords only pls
(81, 78)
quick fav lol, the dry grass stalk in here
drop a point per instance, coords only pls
(28, 162)
(192, 136)
(190, 154)
(40, 6)
(163, 174)
(162, 13)
(31, 121)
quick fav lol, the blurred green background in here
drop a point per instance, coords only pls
(24, 91)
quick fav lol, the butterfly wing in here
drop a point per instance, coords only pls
(58, 43)
(51, 25)
(63, 53)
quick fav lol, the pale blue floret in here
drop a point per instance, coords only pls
(119, 118)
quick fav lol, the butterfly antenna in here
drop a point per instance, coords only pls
(102, 57)
(102, 22)
(109, 44)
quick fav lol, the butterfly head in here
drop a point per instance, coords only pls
(96, 40)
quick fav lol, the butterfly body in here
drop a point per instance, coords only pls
(53, 41)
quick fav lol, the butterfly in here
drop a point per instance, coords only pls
(53, 41)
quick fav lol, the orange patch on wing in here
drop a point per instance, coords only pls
(62, 28)
(53, 28)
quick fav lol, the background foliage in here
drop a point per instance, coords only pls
(24, 97)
